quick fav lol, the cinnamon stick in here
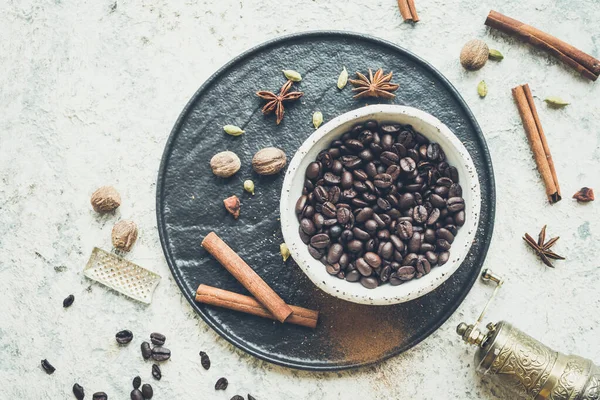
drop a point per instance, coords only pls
(585, 64)
(246, 276)
(238, 302)
(408, 10)
(537, 141)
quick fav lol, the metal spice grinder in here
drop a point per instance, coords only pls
(527, 368)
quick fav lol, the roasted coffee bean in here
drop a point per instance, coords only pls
(48, 367)
(433, 151)
(333, 269)
(423, 265)
(452, 229)
(329, 222)
(442, 244)
(433, 216)
(78, 391)
(146, 350)
(383, 234)
(453, 174)
(344, 260)
(420, 214)
(371, 244)
(360, 187)
(335, 232)
(390, 128)
(363, 267)
(353, 276)
(425, 247)
(99, 396)
(355, 246)
(371, 226)
(422, 152)
(354, 145)
(379, 221)
(309, 212)
(372, 259)
(389, 158)
(351, 162)
(369, 197)
(382, 181)
(332, 179)
(321, 194)
(308, 187)
(410, 259)
(68, 301)
(455, 190)
(383, 204)
(444, 181)
(429, 235)
(320, 240)
(369, 282)
(318, 220)
(337, 167)
(157, 339)
(443, 257)
(303, 236)
(455, 204)
(364, 215)
(136, 394)
(441, 191)
(308, 226)
(160, 353)
(397, 242)
(147, 391)
(444, 233)
(371, 170)
(407, 164)
(437, 201)
(221, 384)
(237, 397)
(313, 171)
(347, 180)
(346, 236)
(124, 337)
(414, 154)
(385, 273)
(404, 230)
(157, 374)
(406, 201)
(406, 273)
(360, 234)
(335, 194)
(334, 153)
(137, 382)
(414, 244)
(365, 137)
(393, 214)
(329, 210)
(387, 251)
(367, 155)
(405, 137)
(335, 252)
(432, 257)
(459, 218)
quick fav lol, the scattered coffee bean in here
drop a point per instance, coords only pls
(237, 397)
(157, 338)
(204, 360)
(137, 382)
(48, 367)
(156, 373)
(221, 384)
(68, 301)
(147, 391)
(99, 396)
(146, 350)
(124, 337)
(251, 397)
(161, 353)
(136, 394)
(78, 391)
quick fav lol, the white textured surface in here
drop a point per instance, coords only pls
(88, 95)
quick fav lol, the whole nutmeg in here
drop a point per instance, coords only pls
(124, 235)
(474, 54)
(269, 161)
(225, 164)
(105, 199)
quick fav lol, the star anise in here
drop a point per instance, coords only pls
(542, 248)
(377, 85)
(275, 102)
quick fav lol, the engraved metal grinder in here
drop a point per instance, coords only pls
(527, 368)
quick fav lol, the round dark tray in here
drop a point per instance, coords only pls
(189, 198)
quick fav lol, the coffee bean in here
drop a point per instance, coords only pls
(414, 244)
(420, 214)
(406, 201)
(371, 226)
(221, 384)
(351, 162)
(332, 179)
(437, 201)
(455, 190)
(335, 252)
(124, 337)
(433, 216)
(147, 391)
(389, 158)
(157, 338)
(363, 267)
(237, 397)
(441, 191)
(329, 210)
(309, 212)
(369, 282)
(335, 194)
(387, 251)
(137, 382)
(425, 247)
(423, 265)
(161, 353)
(444, 181)
(442, 244)
(397, 242)
(48, 367)
(204, 360)
(146, 350)
(444, 233)
(355, 246)
(136, 394)
(335, 232)
(410, 259)
(156, 373)
(383, 204)
(407, 164)
(353, 276)
(453, 174)
(406, 273)
(455, 204)
(78, 391)
(308, 226)
(404, 230)
(364, 215)
(347, 180)
(429, 235)
(313, 171)
(383, 235)
(432, 257)
(372, 259)
(301, 203)
(99, 396)
(320, 241)
(360, 187)
(390, 128)
(443, 257)
(433, 151)
(459, 218)
(383, 181)
(329, 222)
(333, 269)
(321, 194)
(68, 301)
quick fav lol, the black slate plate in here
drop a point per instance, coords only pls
(189, 198)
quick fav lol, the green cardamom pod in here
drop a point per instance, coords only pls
(495, 55)
(482, 89)
(556, 101)
(285, 252)
(292, 75)
(249, 186)
(233, 130)
(342, 79)
(317, 119)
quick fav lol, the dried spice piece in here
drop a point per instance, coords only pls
(474, 54)
(584, 195)
(285, 251)
(221, 384)
(225, 164)
(48, 367)
(105, 199)
(233, 130)
(204, 360)
(275, 102)
(124, 235)
(232, 205)
(542, 248)
(317, 119)
(68, 301)
(342, 79)
(556, 102)
(495, 55)
(269, 161)
(377, 85)
(292, 75)
(482, 89)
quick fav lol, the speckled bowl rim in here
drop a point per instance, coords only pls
(387, 294)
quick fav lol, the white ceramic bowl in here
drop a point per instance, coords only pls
(456, 155)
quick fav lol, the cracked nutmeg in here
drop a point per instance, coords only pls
(124, 235)
(105, 199)
(232, 205)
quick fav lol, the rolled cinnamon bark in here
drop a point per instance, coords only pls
(537, 141)
(408, 10)
(585, 64)
(238, 302)
(246, 276)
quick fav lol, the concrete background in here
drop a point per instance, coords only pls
(89, 91)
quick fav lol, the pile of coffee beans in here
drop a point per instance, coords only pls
(145, 393)
(381, 204)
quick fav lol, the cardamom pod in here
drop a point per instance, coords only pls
(317, 119)
(249, 186)
(482, 89)
(285, 252)
(495, 55)
(555, 101)
(342, 79)
(292, 75)
(233, 130)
